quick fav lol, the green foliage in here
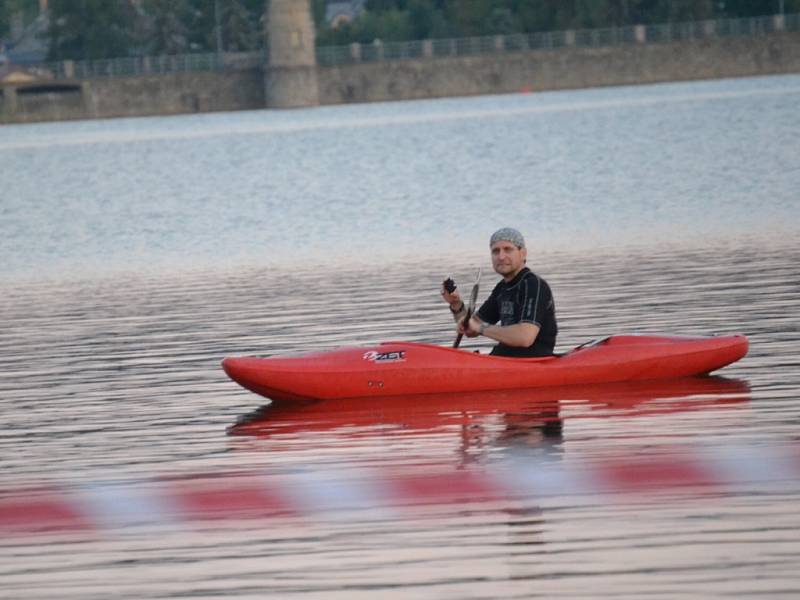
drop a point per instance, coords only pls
(5, 21)
(753, 8)
(465, 18)
(391, 25)
(177, 26)
(201, 26)
(28, 9)
(318, 12)
(427, 20)
(91, 29)
(240, 27)
(163, 26)
(81, 29)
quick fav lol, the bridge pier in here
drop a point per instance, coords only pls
(8, 106)
(291, 79)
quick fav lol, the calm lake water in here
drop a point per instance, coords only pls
(138, 253)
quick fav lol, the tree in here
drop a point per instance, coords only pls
(468, 17)
(379, 6)
(752, 8)
(200, 25)
(546, 15)
(111, 28)
(427, 20)
(91, 29)
(5, 20)
(166, 30)
(9, 8)
(460, 18)
(318, 10)
(390, 26)
(239, 25)
(679, 10)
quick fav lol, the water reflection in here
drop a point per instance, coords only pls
(485, 422)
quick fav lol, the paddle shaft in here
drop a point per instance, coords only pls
(473, 297)
(466, 322)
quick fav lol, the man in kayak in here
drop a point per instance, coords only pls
(522, 303)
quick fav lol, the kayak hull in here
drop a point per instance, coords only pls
(408, 368)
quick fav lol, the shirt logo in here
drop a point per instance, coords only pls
(381, 357)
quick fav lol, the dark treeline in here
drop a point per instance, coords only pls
(91, 29)
(26, 9)
(401, 20)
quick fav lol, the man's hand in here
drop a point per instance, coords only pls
(471, 329)
(453, 298)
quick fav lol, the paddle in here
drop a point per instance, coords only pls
(470, 307)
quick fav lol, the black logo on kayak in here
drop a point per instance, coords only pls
(397, 355)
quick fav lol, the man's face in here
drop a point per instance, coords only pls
(507, 259)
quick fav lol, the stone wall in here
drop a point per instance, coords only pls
(539, 70)
(50, 102)
(44, 101)
(178, 93)
(563, 68)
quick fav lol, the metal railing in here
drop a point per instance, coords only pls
(153, 65)
(432, 48)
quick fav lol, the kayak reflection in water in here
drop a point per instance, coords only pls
(520, 312)
(536, 432)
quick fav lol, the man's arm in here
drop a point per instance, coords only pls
(519, 335)
(522, 334)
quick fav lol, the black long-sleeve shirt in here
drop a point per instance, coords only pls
(525, 299)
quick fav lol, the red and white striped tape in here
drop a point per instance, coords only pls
(99, 507)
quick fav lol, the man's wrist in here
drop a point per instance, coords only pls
(482, 327)
(456, 311)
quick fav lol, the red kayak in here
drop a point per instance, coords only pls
(408, 368)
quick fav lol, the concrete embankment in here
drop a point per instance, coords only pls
(502, 72)
(564, 68)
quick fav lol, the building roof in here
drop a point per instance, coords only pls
(30, 46)
(13, 76)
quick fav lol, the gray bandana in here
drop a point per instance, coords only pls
(508, 234)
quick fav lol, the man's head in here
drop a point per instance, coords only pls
(508, 234)
(509, 253)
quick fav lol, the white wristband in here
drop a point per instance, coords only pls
(483, 327)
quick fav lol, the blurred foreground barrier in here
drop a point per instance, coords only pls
(321, 494)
